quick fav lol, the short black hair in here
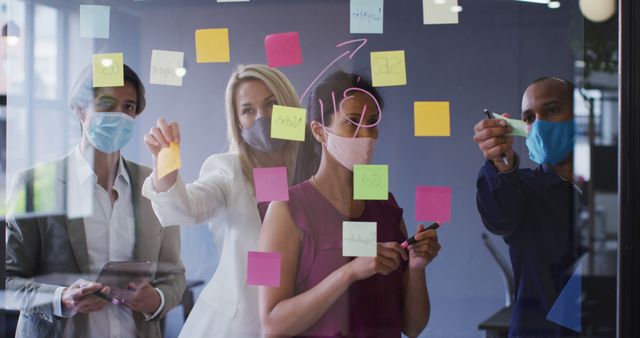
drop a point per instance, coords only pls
(83, 92)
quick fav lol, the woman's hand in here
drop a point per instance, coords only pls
(161, 136)
(424, 250)
(388, 259)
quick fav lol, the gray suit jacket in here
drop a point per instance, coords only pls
(49, 243)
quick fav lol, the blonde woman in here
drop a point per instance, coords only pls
(224, 197)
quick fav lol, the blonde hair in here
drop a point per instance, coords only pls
(285, 95)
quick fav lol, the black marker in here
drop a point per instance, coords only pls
(405, 244)
(503, 156)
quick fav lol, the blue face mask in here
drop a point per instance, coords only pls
(550, 142)
(110, 132)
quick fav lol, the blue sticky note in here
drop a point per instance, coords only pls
(366, 16)
(567, 309)
(94, 21)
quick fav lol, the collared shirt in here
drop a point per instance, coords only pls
(110, 234)
(533, 210)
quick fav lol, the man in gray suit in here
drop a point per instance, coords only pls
(68, 218)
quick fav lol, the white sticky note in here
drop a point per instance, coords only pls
(94, 21)
(166, 67)
(366, 16)
(359, 239)
(519, 127)
(436, 12)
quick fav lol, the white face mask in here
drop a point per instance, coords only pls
(350, 151)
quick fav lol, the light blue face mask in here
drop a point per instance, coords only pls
(110, 132)
(550, 142)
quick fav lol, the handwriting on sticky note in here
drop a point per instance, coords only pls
(440, 12)
(431, 118)
(283, 49)
(288, 123)
(212, 45)
(359, 239)
(165, 66)
(366, 16)
(519, 127)
(271, 184)
(433, 203)
(388, 68)
(370, 182)
(94, 21)
(263, 268)
(168, 160)
(107, 70)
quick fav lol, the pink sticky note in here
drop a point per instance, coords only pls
(283, 49)
(271, 184)
(263, 268)
(433, 204)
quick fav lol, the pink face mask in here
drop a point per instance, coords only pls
(349, 151)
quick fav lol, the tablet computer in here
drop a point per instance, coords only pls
(118, 275)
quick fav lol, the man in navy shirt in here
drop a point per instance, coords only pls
(533, 209)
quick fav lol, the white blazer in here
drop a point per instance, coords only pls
(222, 196)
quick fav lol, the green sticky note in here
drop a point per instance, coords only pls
(288, 123)
(388, 68)
(370, 182)
(107, 70)
(519, 127)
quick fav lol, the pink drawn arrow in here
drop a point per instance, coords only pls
(361, 43)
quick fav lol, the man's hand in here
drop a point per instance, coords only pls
(79, 297)
(141, 297)
(491, 137)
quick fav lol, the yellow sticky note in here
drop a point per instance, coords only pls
(388, 68)
(212, 45)
(168, 160)
(288, 123)
(108, 70)
(432, 118)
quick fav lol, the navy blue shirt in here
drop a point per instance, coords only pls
(533, 211)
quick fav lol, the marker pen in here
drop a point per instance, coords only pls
(412, 240)
(503, 156)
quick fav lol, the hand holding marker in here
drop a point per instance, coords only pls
(488, 115)
(405, 244)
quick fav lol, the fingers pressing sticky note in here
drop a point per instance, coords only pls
(263, 268)
(283, 49)
(388, 68)
(107, 70)
(359, 239)
(212, 45)
(433, 203)
(288, 123)
(94, 21)
(431, 119)
(168, 160)
(437, 12)
(271, 184)
(519, 127)
(366, 16)
(371, 182)
(166, 68)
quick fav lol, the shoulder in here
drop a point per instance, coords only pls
(137, 168)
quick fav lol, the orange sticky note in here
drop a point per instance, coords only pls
(212, 45)
(432, 118)
(168, 160)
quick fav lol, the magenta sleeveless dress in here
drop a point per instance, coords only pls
(371, 307)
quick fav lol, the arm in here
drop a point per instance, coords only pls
(170, 278)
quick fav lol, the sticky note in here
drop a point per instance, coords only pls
(212, 45)
(288, 123)
(359, 239)
(433, 203)
(366, 16)
(94, 21)
(165, 67)
(388, 68)
(107, 70)
(440, 12)
(169, 160)
(519, 127)
(283, 49)
(371, 182)
(263, 268)
(431, 118)
(271, 184)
